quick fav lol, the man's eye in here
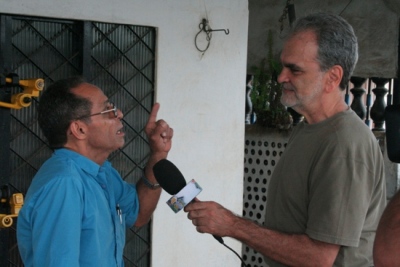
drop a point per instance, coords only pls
(295, 71)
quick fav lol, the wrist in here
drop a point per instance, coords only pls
(149, 184)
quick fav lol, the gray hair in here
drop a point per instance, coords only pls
(337, 43)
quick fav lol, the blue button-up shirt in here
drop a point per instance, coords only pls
(75, 214)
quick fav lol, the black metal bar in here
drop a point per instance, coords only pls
(396, 90)
(368, 104)
(396, 82)
(389, 97)
(86, 47)
(5, 95)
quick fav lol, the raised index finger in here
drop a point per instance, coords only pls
(153, 113)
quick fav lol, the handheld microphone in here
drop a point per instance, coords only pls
(171, 180)
(168, 176)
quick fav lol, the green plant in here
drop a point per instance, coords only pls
(266, 93)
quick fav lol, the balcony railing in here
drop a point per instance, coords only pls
(368, 97)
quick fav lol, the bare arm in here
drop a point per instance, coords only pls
(289, 249)
(159, 135)
(387, 239)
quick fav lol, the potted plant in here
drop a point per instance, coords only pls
(266, 93)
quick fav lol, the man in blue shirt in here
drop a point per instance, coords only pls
(78, 207)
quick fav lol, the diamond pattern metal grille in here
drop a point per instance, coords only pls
(120, 59)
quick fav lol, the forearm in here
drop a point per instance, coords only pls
(289, 249)
(148, 197)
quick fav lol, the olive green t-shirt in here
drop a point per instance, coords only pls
(329, 184)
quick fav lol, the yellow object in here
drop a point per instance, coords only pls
(6, 220)
(31, 87)
(16, 203)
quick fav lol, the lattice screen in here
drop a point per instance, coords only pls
(263, 148)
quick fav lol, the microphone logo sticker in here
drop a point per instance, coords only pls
(182, 198)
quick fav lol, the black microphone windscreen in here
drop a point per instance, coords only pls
(392, 120)
(171, 180)
(168, 176)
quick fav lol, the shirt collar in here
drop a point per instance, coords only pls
(86, 164)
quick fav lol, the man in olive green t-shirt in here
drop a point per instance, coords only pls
(327, 192)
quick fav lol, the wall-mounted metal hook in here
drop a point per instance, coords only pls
(204, 26)
(225, 30)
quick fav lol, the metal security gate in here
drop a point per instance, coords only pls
(120, 59)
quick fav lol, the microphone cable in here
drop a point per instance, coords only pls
(220, 240)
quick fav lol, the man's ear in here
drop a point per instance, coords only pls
(78, 129)
(335, 75)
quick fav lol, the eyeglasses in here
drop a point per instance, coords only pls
(112, 108)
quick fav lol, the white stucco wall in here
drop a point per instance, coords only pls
(202, 97)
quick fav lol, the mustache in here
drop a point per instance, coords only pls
(287, 86)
